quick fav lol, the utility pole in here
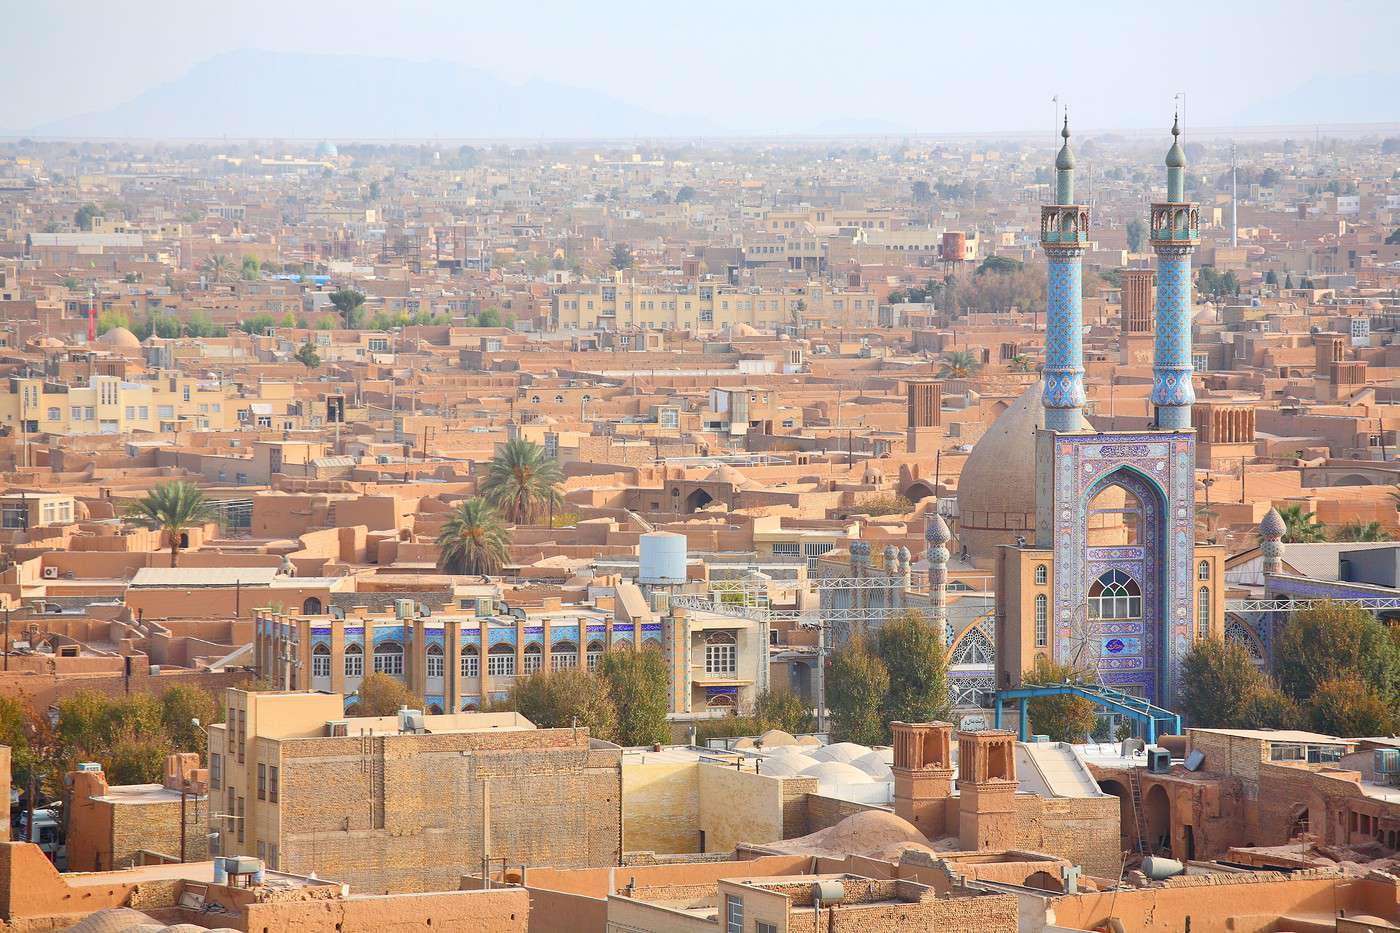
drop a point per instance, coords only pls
(184, 793)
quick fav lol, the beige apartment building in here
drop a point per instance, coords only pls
(705, 307)
(112, 405)
(397, 804)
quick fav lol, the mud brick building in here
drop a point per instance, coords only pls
(116, 826)
(389, 811)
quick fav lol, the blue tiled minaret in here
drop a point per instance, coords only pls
(1175, 231)
(1064, 234)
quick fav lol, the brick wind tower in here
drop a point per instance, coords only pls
(1064, 235)
(1175, 230)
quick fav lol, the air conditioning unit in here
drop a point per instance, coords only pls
(411, 720)
(1159, 761)
(337, 727)
(50, 573)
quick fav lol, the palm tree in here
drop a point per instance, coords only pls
(217, 266)
(173, 508)
(522, 481)
(1361, 531)
(958, 364)
(1300, 526)
(473, 540)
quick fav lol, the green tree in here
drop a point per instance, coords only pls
(1271, 277)
(201, 325)
(473, 540)
(685, 195)
(522, 481)
(1329, 641)
(1136, 231)
(135, 757)
(958, 364)
(639, 685)
(1349, 707)
(1270, 708)
(1393, 237)
(257, 324)
(780, 708)
(999, 265)
(1064, 718)
(179, 706)
(382, 695)
(1021, 363)
(1288, 280)
(173, 509)
(563, 698)
(920, 192)
(1218, 683)
(491, 317)
(621, 256)
(327, 322)
(83, 218)
(1300, 526)
(1358, 530)
(14, 732)
(251, 269)
(896, 297)
(308, 357)
(917, 660)
(109, 320)
(856, 684)
(349, 304)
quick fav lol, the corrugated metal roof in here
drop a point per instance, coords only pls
(203, 576)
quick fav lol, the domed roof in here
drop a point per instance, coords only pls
(785, 765)
(845, 752)
(1176, 156)
(777, 737)
(120, 338)
(996, 491)
(1272, 525)
(724, 473)
(873, 763)
(936, 530)
(835, 772)
(1065, 160)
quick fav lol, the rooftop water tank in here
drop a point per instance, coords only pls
(662, 558)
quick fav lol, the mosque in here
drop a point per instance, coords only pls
(1093, 533)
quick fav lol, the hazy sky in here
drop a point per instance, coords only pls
(754, 66)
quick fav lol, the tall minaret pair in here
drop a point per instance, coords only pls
(1064, 235)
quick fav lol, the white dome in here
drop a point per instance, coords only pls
(873, 763)
(784, 750)
(841, 751)
(782, 766)
(777, 738)
(835, 772)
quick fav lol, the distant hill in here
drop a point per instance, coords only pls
(274, 94)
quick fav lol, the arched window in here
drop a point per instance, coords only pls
(471, 661)
(1042, 620)
(1042, 574)
(1203, 570)
(500, 661)
(1115, 595)
(534, 657)
(321, 661)
(721, 653)
(563, 654)
(974, 649)
(559, 399)
(354, 661)
(534, 400)
(651, 643)
(595, 653)
(435, 660)
(1203, 610)
(311, 607)
(388, 658)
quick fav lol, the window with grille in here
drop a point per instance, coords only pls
(216, 770)
(320, 661)
(595, 654)
(354, 661)
(274, 778)
(1203, 609)
(563, 655)
(733, 914)
(500, 661)
(435, 662)
(262, 781)
(534, 658)
(1042, 620)
(1203, 570)
(471, 662)
(1042, 574)
(721, 653)
(388, 659)
(1115, 595)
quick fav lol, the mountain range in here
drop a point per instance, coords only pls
(252, 93)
